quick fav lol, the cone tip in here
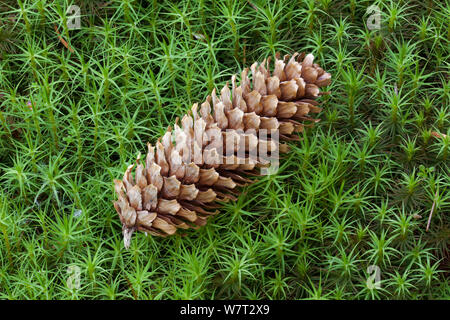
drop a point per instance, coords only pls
(127, 233)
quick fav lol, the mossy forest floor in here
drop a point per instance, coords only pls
(351, 201)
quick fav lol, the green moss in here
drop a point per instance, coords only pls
(356, 191)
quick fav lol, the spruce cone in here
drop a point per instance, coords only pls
(233, 135)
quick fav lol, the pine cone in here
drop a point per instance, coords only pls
(203, 161)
